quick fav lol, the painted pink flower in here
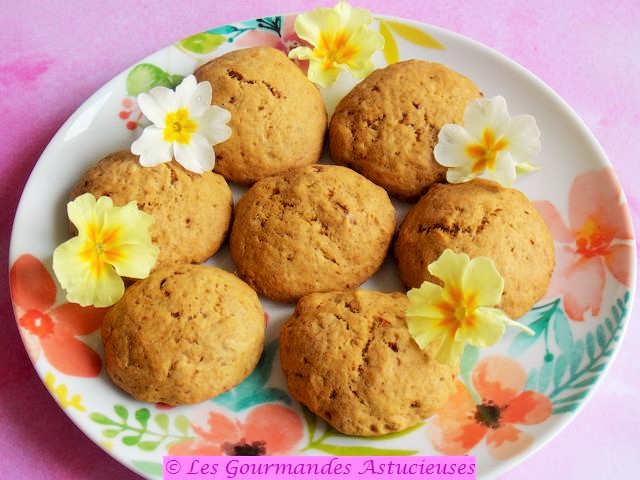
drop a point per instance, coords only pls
(268, 430)
(54, 330)
(462, 423)
(285, 42)
(588, 246)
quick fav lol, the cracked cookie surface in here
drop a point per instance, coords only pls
(191, 212)
(479, 218)
(278, 118)
(314, 229)
(349, 357)
(184, 334)
(387, 126)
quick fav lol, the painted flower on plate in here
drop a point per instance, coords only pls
(590, 244)
(497, 383)
(340, 39)
(267, 430)
(490, 139)
(462, 310)
(53, 330)
(185, 126)
(285, 41)
(112, 242)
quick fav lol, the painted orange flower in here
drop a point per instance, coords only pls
(463, 422)
(588, 246)
(54, 330)
(268, 430)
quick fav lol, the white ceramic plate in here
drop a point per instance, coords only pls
(515, 396)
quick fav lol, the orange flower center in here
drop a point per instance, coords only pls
(592, 240)
(488, 414)
(459, 309)
(101, 248)
(484, 153)
(38, 323)
(334, 50)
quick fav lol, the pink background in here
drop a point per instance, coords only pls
(56, 53)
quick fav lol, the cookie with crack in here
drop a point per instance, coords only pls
(191, 212)
(349, 358)
(184, 334)
(278, 117)
(387, 126)
(314, 229)
(480, 218)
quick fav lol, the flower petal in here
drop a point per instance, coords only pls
(84, 286)
(213, 125)
(281, 428)
(70, 356)
(73, 319)
(83, 211)
(157, 103)
(132, 254)
(453, 431)
(221, 429)
(498, 379)
(559, 230)
(529, 408)
(450, 350)
(352, 18)
(152, 148)
(450, 151)
(195, 448)
(597, 196)
(483, 113)
(197, 156)
(195, 97)
(460, 175)
(426, 295)
(523, 137)
(482, 279)
(321, 73)
(31, 284)
(619, 261)
(583, 288)
(309, 26)
(450, 267)
(507, 441)
(488, 328)
(425, 330)
(504, 169)
(302, 53)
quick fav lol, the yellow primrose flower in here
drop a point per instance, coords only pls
(490, 139)
(341, 39)
(462, 310)
(112, 242)
(185, 126)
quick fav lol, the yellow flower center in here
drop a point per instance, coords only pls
(484, 153)
(179, 126)
(334, 49)
(592, 239)
(101, 248)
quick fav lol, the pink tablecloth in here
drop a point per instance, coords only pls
(56, 53)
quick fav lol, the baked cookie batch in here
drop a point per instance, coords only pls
(312, 234)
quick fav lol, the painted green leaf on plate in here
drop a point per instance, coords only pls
(201, 43)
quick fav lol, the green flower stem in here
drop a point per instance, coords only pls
(313, 444)
(142, 431)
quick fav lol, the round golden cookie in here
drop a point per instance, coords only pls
(278, 117)
(184, 334)
(387, 126)
(349, 357)
(191, 212)
(315, 229)
(480, 218)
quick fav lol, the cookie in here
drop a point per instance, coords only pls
(315, 229)
(387, 126)
(191, 212)
(349, 357)
(480, 218)
(278, 117)
(184, 334)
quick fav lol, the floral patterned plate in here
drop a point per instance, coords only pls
(510, 399)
